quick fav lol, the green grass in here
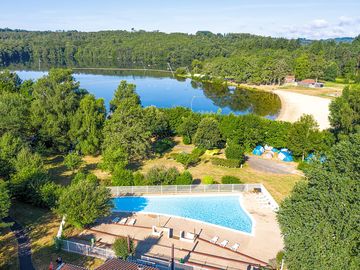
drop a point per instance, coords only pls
(42, 227)
(8, 250)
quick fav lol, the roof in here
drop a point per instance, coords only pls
(308, 81)
(117, 264)
(67, 266)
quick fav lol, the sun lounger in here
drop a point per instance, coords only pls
(235, 247)
(132, 221)
(123, 221)
(116, 219)
(214, 239)
(224, 243)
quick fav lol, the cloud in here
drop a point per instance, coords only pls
(322, 29)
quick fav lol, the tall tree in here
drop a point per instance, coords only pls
(124, 91)
(55, 100)
(86, 125)
(208, 134)
(4, 202)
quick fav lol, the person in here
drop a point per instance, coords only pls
(51, 266)
(59, 261)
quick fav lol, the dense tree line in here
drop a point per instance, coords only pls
(243, 57)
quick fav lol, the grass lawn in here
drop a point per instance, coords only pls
(8, 250)
(42, 226)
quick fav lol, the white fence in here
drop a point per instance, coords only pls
(87, 250)
(186, 189)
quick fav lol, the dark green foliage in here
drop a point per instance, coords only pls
(86, 125)
(125, 91)
(184, 179)
(4, 202)
(234, 151)
(121, 247)
(208, 134)
(186, 140)
(10, 145)
(55, 100)
(181, 71)
(156, 122)
(122, 177)
(229, 163)
(162, 176)
(188, 127)
(81, 176)
(84, 202)
(139, 179)
(50, 194)
(174, 117)
(189, 159)
(345, 111)
(73, 161)
(320, 220)
(227, 179)
(163, 145)
(9, 82)
(113, 155)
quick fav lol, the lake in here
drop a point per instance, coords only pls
(164, 91)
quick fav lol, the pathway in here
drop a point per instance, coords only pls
(24, 247)
(271, 166)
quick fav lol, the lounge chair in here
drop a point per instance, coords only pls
(116, 219)
(123, 221)
(132, 221)
(235, 247)
(214, 239)
(224, 243)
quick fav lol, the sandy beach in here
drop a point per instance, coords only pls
(294, 105)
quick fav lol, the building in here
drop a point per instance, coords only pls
(289, 79)
(310, 83)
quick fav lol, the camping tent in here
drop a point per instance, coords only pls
(285, 156)
(269, 154)
(259, 150)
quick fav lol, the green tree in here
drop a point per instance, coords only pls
(55, 100)
(83, 202)
(9, 82)
(208, 134)
(124, 91)
(122, 177)
(304, 136)
(10, 145)
(4, 202)
(345, 111)
(302, 67)
(73, 161)
(86, 125)
(162, 176)
(320, 220)
(156, 122)
(188, 126)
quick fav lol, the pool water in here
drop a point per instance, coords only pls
(225, 211)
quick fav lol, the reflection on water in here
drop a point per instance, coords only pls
(161, 89)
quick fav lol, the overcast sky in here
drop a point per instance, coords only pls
(286, 18)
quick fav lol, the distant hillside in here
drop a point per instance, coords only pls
(337, 40)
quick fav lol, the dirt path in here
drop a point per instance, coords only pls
(271, 166)
(294, 105)
(24, 247)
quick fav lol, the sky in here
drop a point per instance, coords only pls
(315, 19)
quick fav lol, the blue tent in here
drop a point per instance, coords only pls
(310, 158)
(285, 156)
(259, 150)
(275, 150)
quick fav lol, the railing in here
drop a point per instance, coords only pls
(186, 189)
(87, 250)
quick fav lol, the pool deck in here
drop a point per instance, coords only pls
(254, 249)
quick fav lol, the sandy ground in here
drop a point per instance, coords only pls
(294, 105)
(264, 244)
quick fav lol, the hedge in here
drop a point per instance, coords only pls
(229, 163)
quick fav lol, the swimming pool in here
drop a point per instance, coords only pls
(225, 211)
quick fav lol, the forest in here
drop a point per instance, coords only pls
(244, 58)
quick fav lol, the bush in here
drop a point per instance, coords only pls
(81, 176)
(234, 151)
(120, 248)
(50, 194)
(186, 140)
(161, 146)
(227, 179)
(122, 177)
(229, 163)
(72, 161)
(186, 159)
(139, 179)
(184, 179)
(198, 152)
(181, 71)
(162, 176)
(208, 180)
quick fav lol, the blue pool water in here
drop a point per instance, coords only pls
(224, 211)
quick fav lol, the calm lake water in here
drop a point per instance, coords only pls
(164, 91)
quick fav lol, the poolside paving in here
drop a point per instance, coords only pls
(263, 245)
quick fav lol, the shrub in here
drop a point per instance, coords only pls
(81, 176)
(227, 179)
(50, 194)
(208, 180)
(186, 140)
(72, 161)
(181, 71)
(120, 247)
(161, 146)
(198, 152)
(184, 179)
(139, 179)
(162, 176)
(186, 159)
(229, 163)
(122, 177)
(234, 151)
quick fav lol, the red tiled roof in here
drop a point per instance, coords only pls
(67, 266)
(308, 81)
(117, 264)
